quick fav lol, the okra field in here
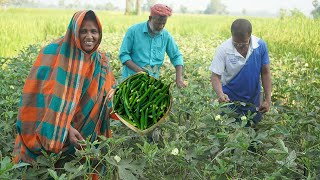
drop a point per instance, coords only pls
(195, 142)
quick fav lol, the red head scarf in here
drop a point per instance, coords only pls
(160, 10)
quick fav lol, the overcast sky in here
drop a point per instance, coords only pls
(270, 6)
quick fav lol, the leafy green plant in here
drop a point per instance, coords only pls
(196, 141)
(8, 170)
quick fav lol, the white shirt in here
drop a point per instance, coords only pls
(227, 61)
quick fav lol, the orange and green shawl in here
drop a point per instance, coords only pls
(66, 87)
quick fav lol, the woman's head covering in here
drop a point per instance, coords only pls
(160, 10)
(66, 87)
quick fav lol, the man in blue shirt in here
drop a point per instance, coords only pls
(237, 67)
(144, 45)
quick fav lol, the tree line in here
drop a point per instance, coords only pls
(136, 7)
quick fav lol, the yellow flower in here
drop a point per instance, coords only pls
(117, 158)
(175, 151)
(243, 118)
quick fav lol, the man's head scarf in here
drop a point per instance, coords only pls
(160, 10)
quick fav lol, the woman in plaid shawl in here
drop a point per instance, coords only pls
(67, 95)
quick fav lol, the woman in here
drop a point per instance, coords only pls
(66, 97)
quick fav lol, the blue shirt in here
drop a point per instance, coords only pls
(240, 76)
(147, 51)
(245, 86)
(228, 61)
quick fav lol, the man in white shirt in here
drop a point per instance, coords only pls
(238, 64)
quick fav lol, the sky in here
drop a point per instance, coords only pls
(233, 6)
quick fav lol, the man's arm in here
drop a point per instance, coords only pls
(176, 59)
(217, 68)
(179, 80)
(133, 66)
(126, 50)
(266, 84)
(217, 87)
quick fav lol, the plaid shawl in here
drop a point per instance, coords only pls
(65, 87)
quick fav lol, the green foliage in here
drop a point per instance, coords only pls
(12, 76)
(8, 170)
(196, 141)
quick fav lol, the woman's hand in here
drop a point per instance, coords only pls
(110, 94)
(74, 137)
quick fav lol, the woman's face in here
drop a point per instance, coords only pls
(89, 35)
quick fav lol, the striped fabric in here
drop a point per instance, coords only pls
(66, 87)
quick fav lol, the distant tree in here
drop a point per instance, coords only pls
(3, 2)
(215, 7)
(108, 6)
(316, 12)
(297, 13)
(294, 13)
(148, 4)
(138, 7)
(88, 6)
(12, 2)
(183, 9)
(133, 7)
(19, 3)
(244, 11)
(128, 6)
(76, 4)
(283, 13)
(61, 3)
